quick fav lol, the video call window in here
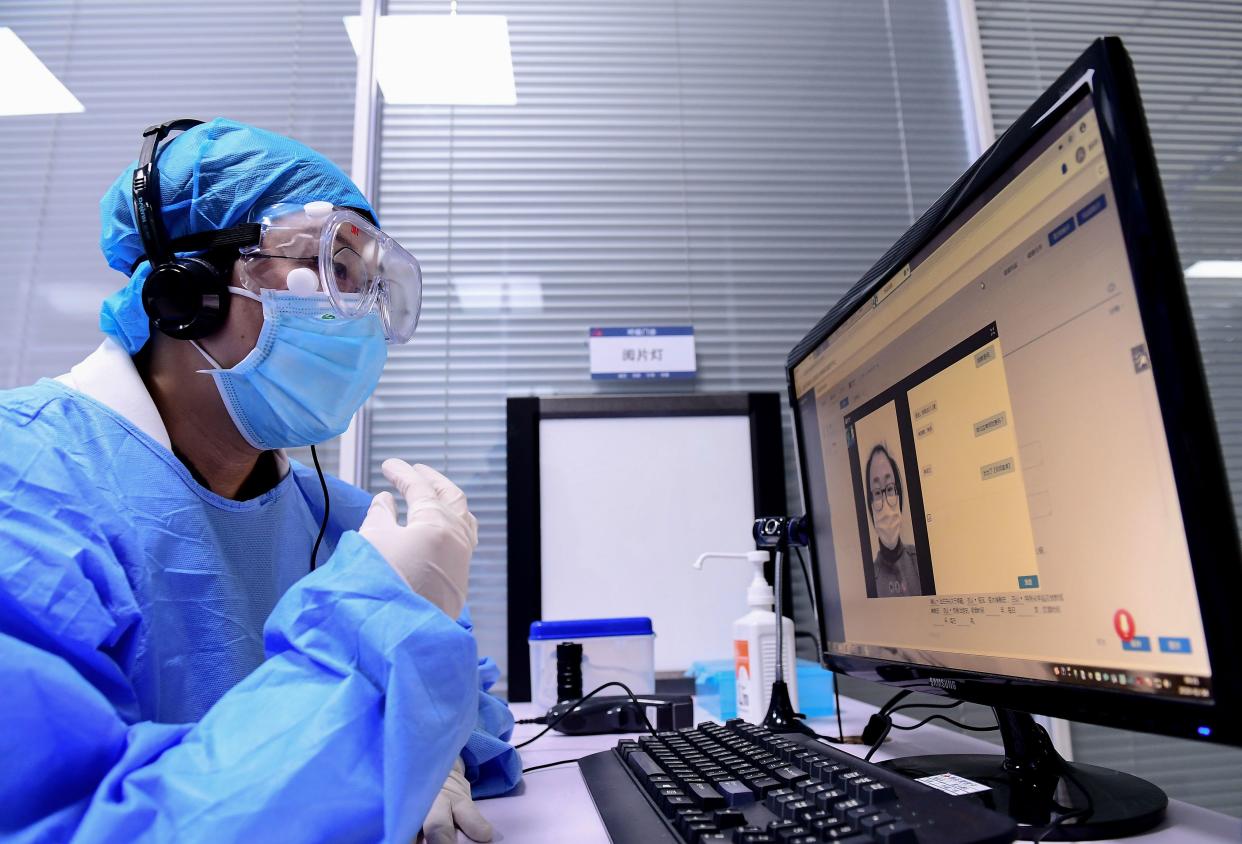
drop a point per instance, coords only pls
(937, 480)
(891, 552)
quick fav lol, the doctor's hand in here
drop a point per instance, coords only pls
(453, 810)
(431, 551)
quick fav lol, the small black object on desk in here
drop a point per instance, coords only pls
(621, 714)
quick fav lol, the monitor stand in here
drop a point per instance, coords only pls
(1034, 785)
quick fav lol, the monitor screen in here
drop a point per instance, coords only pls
(993, 489)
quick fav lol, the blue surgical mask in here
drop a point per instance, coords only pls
(307, 375)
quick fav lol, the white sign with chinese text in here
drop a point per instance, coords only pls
(642, 353)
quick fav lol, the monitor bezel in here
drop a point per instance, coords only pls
(1198, 467)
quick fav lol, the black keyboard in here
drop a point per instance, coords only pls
(743, 784)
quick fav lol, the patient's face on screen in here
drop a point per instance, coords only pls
(885, 497)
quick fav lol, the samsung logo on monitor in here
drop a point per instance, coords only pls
(947, 685)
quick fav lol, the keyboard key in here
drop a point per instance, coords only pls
(643, 764)
(805, 758)
(785, 832)
(763, 785)
(855, 786)
(877, 793)
(674, 804)
(728, 818)
(805, 816)
(790, 810)
(754, 838)
(789, 775)
(704, 795)
(775, 793)
(828, 800)
(895, 833)
(809, 788)
(870, 822)
(698, 829)
(736, 793)
(854, 815)
(844, 779)
(828, 771)
(683, 820)
(812, 816)
(777, 827)
(844, 806)
(776, 802)
(821, 826)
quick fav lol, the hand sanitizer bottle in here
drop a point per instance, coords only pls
(754, 643)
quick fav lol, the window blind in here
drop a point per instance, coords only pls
(730, 165)
(1189, 68)
(284, 65)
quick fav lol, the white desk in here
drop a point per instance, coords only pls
(553, 805)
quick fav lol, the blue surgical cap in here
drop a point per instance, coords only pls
(211, 177)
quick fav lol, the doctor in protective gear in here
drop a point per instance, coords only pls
(201, 639)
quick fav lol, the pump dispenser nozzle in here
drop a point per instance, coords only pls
(759, 594)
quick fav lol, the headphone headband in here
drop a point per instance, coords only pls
(146, 190)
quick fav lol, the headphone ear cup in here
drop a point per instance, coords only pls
(187, 299)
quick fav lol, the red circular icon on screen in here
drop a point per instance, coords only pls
(1123, 623)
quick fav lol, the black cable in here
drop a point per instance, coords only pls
(633, 698)
(836, 697)
(881, 723)
(547, 765)
(1060, 819)
(806, 577)
(883, 720)
(948, 720)
(892, 702)
(836, 678)
(1074, 814)
(323, 526)
(888, 727)
(925, 706)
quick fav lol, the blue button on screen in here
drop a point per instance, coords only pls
(1173, 645)
(1138, 643)
(1061, 232)
(1092, 208)
(1029, 581)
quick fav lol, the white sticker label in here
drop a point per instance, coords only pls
(953, 784)
(655, 352)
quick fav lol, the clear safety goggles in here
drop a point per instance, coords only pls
(318, 248)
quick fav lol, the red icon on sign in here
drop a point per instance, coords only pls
(1123, 623)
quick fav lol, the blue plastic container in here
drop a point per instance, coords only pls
(715, 688)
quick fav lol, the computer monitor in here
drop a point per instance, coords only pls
(1009, 462)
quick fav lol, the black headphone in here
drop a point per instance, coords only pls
(185, 298)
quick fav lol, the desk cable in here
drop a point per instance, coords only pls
(543, 719)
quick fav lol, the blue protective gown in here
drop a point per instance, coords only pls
(169, 671)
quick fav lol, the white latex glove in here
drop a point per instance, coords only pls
(431, 551)
(453, 810)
